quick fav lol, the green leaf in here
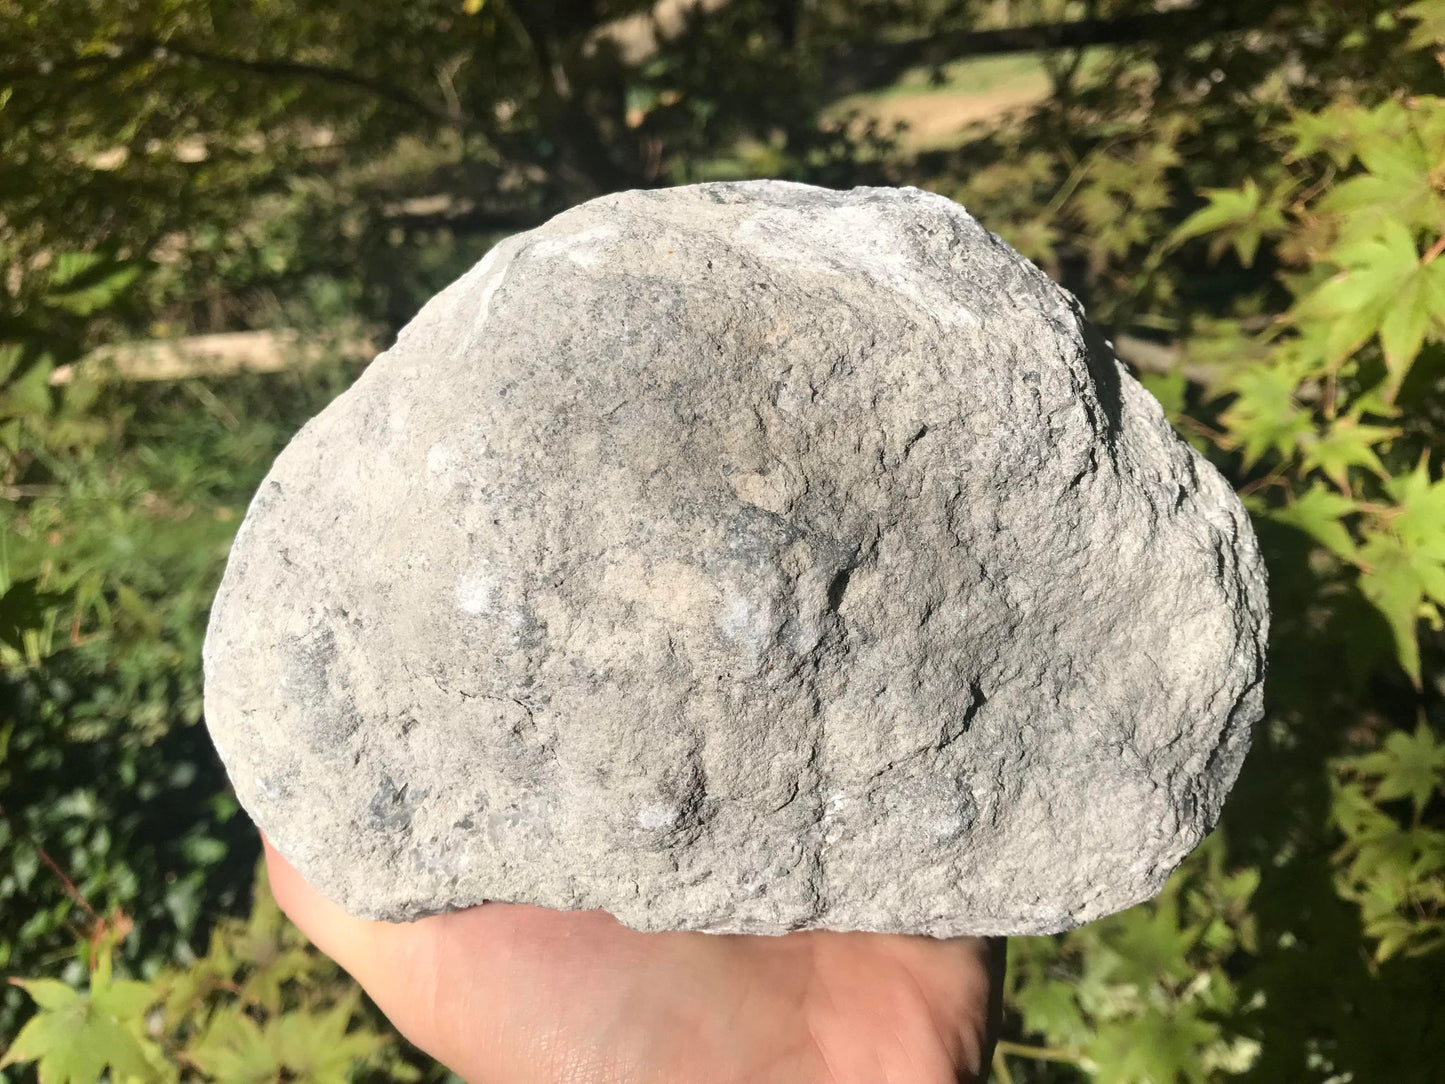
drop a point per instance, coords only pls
(1407, 766)
(1394, 934)
(297, 1045)
(1398, 578)
(124, 999)
(23, 607)
(1154, 1047)
(1242, 217)
(1384, 288)
(49, 994)
(1397, 184)
(263, 987)
(26, 393)
(1150, 945)
(1318, 512)
(1355, 812)
(74, 1038)
(1345, 443)
(1429, 29)
(1051, 1008)
(1330, 131)
(1412, 313)
(235, 1049)
(1405, 559)
(1169, 388)
(318, 1047)
(12, 357)
(83, 283)
(1265, 415)
(71, 268)
(1420, 520)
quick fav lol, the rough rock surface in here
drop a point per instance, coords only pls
(742, 557)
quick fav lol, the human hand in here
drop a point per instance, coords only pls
(519, 994)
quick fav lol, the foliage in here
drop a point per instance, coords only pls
(1139, 996)
(259, 1006)
(80, 1035)
(1251, 204)
(1359, 217)
(1304, 296)
(121, 503)
(1392, 865)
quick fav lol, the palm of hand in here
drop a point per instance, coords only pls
(518, 994)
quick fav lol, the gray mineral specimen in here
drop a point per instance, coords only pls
(742, 557)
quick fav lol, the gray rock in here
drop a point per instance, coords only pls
(742, 557)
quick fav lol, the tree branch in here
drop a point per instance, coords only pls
(320, 72)
(139, 51)
(872, 65)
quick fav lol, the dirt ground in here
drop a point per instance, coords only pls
(931, 120)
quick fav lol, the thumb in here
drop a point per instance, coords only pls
(394, 962)
(486, 991)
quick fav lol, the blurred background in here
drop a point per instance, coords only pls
(214, 212)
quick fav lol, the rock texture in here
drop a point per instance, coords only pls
(742, 557)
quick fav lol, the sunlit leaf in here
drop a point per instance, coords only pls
(1154, 1047)
(1429, 19)
(1398, 578)
(76, 1036)
(1319, 512)
(1384, 288)
(1342, 444)
(82, 283)
(1265, 414)
(1242, 217)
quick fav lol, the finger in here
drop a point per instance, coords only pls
(368, 950)
(915, 1008)
(464, 986)
(997, 972)
(977, 980)
(962, 980)
(392, 961)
